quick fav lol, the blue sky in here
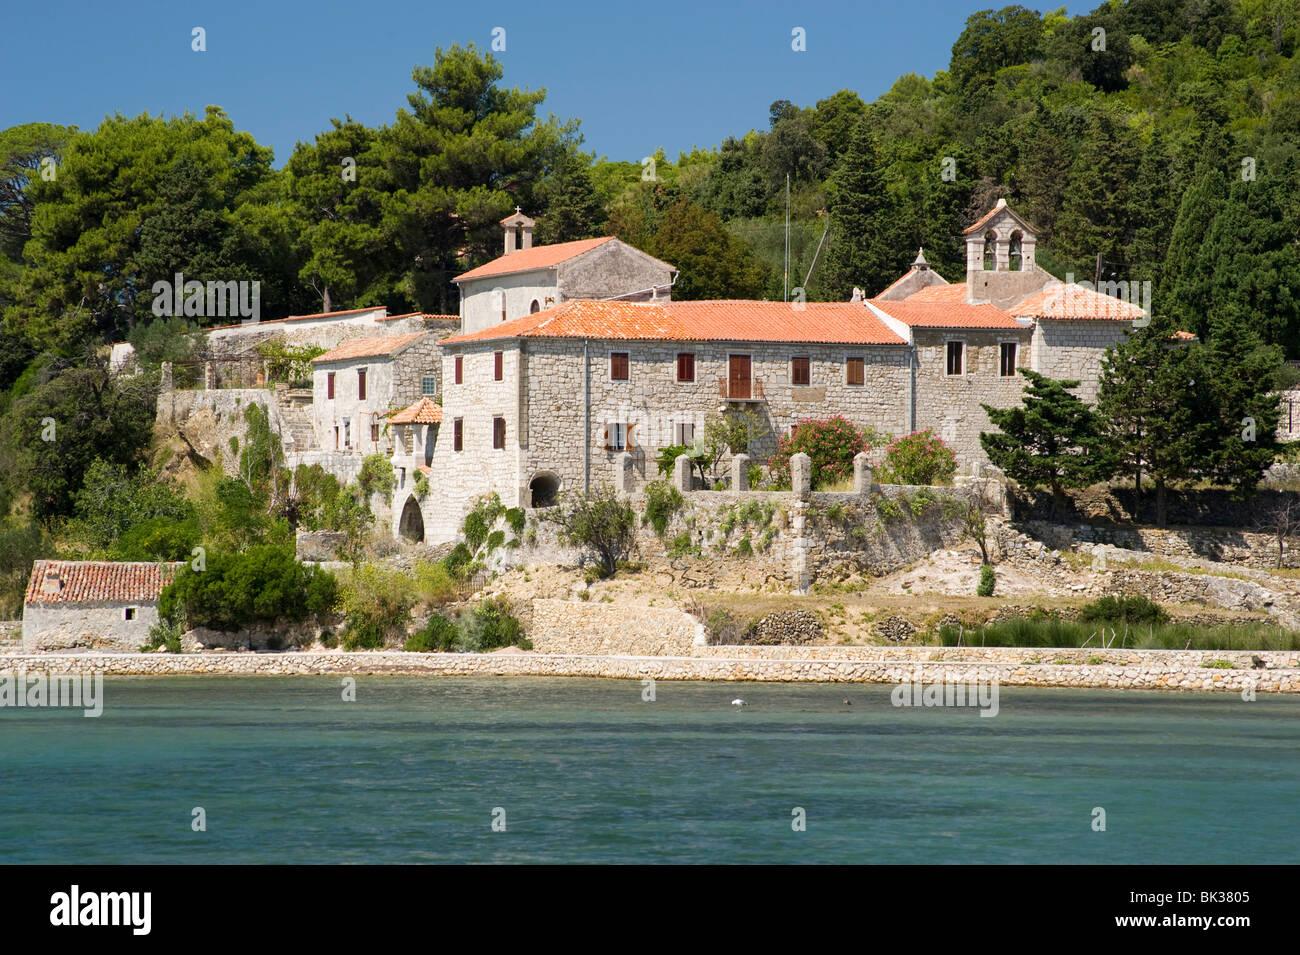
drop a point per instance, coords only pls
(639, 74)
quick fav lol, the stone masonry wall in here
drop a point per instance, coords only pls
(562, 626)
(1074, 350)
(88, 625)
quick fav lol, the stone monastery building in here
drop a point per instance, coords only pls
(570, 366)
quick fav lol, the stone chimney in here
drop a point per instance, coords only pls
(52, 584)
(518, 232)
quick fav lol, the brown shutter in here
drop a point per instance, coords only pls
(460, 369)
(497, 373)
(606, 441)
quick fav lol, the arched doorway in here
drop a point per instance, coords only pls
(411, 524)
(544, 488)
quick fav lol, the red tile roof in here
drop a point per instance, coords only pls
(429, 315)
(424, 411)
(1061, 301)
(946, 314)
(538, 257)
(98, 581)
(954, 292)
(741, 321)
(379, 347)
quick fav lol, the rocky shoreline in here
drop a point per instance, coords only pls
(1227, 671)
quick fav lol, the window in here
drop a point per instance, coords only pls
(684, 432)
(336, 437)
(1007, 363)
(458, 434)
(855, 371)
(498, 366)
(956, 354)
(374, 431)
(401, 478)
(129, 613)
(361, 384)
(429, 385)
(329, 385)
(685, 366)
(498, 432)
(460, 369)
(616, 437)
(618, 366)
(534, 308)
(800, 371)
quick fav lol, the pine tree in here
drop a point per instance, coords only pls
(1155, 410)
(1051, 440)
(568, 207)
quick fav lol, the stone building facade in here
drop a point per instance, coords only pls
(528, 279)
(92, 604)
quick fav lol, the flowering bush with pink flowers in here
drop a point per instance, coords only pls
(918, 458)
(830, 444)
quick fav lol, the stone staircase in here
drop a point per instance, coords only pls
(297, 431)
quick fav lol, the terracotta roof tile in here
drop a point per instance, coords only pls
(377, 347)
(954, 292)
(98, 581)
(429, 315)
(538, 257)
(1073, 301)
(946, 314)
(742, 321)
(424, 411)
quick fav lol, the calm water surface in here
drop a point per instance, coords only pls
(587, 772)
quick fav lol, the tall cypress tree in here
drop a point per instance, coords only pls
(859, 252)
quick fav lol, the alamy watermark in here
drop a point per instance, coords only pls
(74, 690)
(196, 299)
(969, 689)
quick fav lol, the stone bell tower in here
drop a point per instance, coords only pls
(519, 231)
(1000, 266)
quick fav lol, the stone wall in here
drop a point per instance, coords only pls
(99, 625)
(480, 299)
(610, 270)
(207, 420)
(1244, 548)
(1149, 669)
(1074, 349)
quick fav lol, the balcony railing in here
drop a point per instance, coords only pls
(751, 390)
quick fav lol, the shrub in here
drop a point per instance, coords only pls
(988, 580)
(600, 522)
(681, 545)
(421, 486)
(439, 635)
(376, 603)
(918, 458)
(830, 444)
(1126, 609)
(160, 538)
(491, 625)
(435, 585)
(261, 585)
(376, 475)
(662, 501)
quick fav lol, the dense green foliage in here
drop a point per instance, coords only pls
(1126, 608)
(830, 445)
(1046, 632)
(918, 458)
(260, 585)
(600, 522)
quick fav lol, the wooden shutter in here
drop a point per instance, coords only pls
(856, 373)
(460, 369)
(618, 366)
(497, 373)
(627, 438)
(329, 385)
(606, 441)
(361, 384)
(800, 371)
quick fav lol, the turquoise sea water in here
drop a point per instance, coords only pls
(587, 772)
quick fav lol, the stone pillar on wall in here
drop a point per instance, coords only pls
(863, 474)
(624, 473)
(740, 473)
(801, 476)
(682, 473)
(209, 376)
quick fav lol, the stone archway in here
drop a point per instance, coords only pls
(411, 523)
(543, 489)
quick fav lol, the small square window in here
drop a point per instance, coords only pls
(616, 437)
(498, 366)
(618, 366)
(956, 358)
(429, 385)
(800, 371)
(684, 432)
(685, 366)
(458, 434)
(855, 371)
(460, 369)
(129, 613)
(1007, 360)
(498, 432)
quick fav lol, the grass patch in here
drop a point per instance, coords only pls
(1053, 632)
